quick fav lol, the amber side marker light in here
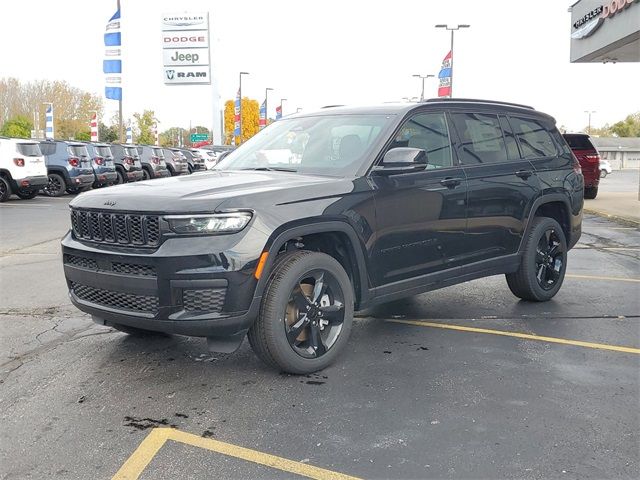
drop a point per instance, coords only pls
(260, 267)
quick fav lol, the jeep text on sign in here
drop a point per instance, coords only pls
(185, 56)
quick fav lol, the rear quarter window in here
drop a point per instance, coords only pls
(48, 148)
(78, 150)
(534, 139)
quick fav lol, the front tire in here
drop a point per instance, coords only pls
(543, 263)
(55, 187)
(306, 313)
(590, 192)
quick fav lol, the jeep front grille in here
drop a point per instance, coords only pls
(116, 228)
(117, 300)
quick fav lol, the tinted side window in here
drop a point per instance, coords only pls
(48, 148)
(534, 139)
(429, 132)
(510, 140)
(481, 139)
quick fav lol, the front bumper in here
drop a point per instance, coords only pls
(30, 183)
(180, 288)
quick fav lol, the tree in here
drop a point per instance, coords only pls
(629, 127)
(83, 136)
(145, 123)
(604, 131)
(250, 120)
(18, 127)
(107, 134)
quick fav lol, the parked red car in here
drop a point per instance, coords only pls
(589, 159)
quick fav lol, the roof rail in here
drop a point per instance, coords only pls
(477, 100)
(332, 106)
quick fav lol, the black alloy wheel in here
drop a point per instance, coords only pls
(306, 313)
(5, 190)
(55, 187)
(146, 175)
(120, 178)
(314, 314)
(550, 254)
(25, 194)
(543, 262)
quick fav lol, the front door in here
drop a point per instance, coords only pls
(420, 216)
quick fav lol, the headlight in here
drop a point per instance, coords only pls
(215, 223)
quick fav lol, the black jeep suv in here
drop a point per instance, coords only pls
(325, 213)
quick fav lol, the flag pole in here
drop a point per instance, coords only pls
(120, 125)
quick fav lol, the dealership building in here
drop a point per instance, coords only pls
(604, 31)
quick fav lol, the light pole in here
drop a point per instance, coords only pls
(281, 107)
(417, 75)
(240, 92)
(452, 29)
(589, 112)
(266, 105)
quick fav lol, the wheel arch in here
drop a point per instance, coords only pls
(6, 174)
(554, 206)
(336, 238)
(62, 172)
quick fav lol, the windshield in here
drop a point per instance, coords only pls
(326, 145)
(103, 151)
(29, 149)
(78, 150)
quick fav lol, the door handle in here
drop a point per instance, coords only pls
(451, 182)
(524, 174)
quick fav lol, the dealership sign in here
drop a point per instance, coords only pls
(185, 48)
(591, 21)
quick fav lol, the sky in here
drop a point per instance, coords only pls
(317, 53)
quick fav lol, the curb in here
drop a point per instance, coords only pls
(616, 218)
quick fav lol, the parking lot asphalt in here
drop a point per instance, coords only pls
(464, 382)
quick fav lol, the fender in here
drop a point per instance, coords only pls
(6, 174)
(542, 200)
(287, 232)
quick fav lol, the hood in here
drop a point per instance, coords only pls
(203, 192)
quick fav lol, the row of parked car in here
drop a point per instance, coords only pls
(53, 167)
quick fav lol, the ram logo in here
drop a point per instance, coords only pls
(170, 74)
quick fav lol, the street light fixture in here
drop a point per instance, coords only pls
(422, 77)
(452, 29)
(240, 92)
(589, 112)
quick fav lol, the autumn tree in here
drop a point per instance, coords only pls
(250, 120)
(144, 127)
(629, 127)
(17, 127)
(108, 134)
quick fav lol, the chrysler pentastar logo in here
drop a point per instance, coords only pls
(110, 203)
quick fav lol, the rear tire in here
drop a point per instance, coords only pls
(5, 189)
(603, 173)
(120, 179)
(543, 263)
(306, 313)
(55, 187)
(27, 194)
(590, 192)
(146, 174)
(137, 332)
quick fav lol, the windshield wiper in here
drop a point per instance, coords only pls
(271, 169)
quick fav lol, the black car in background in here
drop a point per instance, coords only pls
(194, 160)
(326, 213)
(68, 167)
(127, 161)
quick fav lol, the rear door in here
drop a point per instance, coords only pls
(33, 159)
(82, 154)
(420, 215)
(501, 185)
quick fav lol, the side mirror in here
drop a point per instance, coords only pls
(402, 160)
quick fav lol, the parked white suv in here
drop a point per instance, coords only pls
(22, 168)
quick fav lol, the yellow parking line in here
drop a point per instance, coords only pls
(525, 336)
(148, 449)
(596, 277)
